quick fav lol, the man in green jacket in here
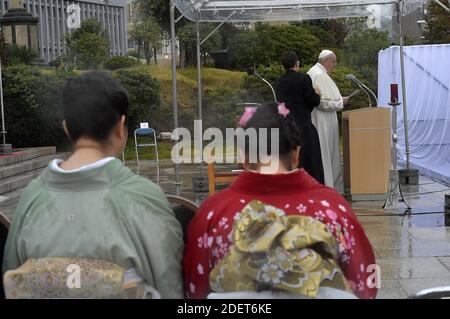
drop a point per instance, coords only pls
(91, 205)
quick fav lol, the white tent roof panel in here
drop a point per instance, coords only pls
(288, 10)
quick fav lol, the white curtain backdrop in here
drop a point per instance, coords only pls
(427, 69)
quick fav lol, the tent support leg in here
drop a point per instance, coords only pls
(174, 88)
(408, 175)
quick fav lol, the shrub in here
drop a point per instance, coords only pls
(144, 96)
(32, 97)
(19, 55)
(31, 102)
(88, 45)
(58, 62)
(120, 62)
(133, 53)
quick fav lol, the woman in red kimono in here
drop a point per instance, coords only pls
(287, 188)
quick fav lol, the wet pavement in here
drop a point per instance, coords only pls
(412, 248)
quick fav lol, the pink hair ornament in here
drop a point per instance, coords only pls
(249, 111)
(283, 110)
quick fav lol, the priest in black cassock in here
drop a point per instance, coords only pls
(295, 89)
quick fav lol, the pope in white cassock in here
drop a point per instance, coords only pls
(324, 118)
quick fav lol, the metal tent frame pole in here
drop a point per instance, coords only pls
(199, 77)
(2, 108)
(402, 73)
(200, 92)
(174, 87)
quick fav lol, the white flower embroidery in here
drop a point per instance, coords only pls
(325, 203)
(302, 208)
(210, 241)
(361, 267)
(311, 201)
(282, 260)
(214, 230)
(271, 274)
(242, 201)
(361, 285)
(345, 258)
(200, 242)
(210, 215)
(223, 222)
(214, 252)
(342, 207)
(320, 215)
(192, 287)
(287, 206)
(337, 225)
(345, 221)
(331, 227)
(230, 237)
(218, 240)
(200, 269)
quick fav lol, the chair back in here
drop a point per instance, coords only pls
(184, 210)
(432, 293)
(4, 228)
(152, 143)
(144, 131)
(215, 177)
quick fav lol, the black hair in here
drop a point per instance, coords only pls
(92, 104)
(289, 59)
(267, 116)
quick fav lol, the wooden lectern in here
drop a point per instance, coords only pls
(367, 152)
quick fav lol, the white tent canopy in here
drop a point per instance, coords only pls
(289, 10)
(281, 10)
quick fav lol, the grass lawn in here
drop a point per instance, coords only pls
(165, 149)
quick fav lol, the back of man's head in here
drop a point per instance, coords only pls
(92, 104)
(289, 60)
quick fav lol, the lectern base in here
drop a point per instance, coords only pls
(409, 176)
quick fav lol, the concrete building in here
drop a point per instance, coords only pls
(53, 24)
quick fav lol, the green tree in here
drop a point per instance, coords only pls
(88, 45)
(438, 24)
(361, 50)
(147, 35)
(159, 10)
(333, 32)
(187, 36)
(266, 44)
